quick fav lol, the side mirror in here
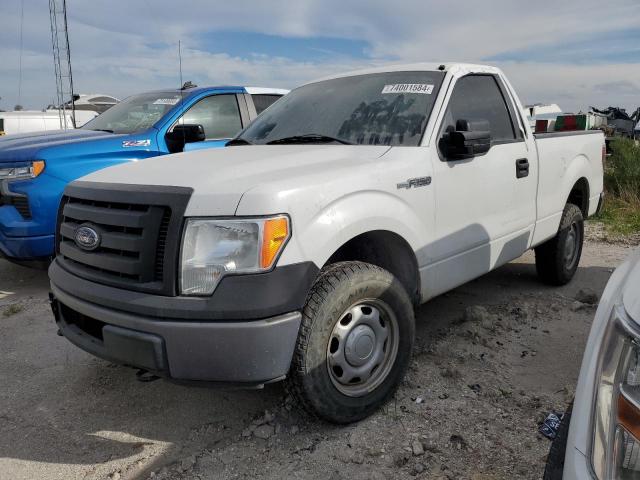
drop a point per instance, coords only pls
(183, 134)
(470, 139)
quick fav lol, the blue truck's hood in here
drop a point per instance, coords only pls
(26, 146)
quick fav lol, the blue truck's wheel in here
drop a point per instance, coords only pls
(354, 344)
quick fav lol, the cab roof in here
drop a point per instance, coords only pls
(225, 88)
(418, 67)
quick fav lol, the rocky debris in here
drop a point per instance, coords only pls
(587, 296)
(596, 232)
(450, 372)
(416, 448)
(578, 306)
(187, 463)
(264, 431)
(457, 441)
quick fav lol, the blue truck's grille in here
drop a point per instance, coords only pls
(138, 240)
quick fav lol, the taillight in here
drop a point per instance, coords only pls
(604, 155)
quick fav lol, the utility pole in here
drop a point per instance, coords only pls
(62, 62)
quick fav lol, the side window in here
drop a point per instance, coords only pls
(478, 97)
(218, 114)
(261, 102)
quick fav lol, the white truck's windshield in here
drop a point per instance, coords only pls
(390, 108)
(135, 113)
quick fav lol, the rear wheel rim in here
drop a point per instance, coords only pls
(572, 246)
(363, 347)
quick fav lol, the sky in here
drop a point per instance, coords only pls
(576, 53)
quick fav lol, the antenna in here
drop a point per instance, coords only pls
(21, 44)
(184, 134)
(62, 60)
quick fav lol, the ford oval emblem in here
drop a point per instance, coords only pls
(87, 238)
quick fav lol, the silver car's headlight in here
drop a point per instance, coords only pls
(23, 171)
(615, 452)
(213, 248)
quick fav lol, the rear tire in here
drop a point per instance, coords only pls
(555, 460)
(557, 259)
(354, 343)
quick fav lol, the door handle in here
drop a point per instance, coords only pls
(522, 168)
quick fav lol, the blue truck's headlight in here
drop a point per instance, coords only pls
(615, 451)
(213, 248)
(21, 172)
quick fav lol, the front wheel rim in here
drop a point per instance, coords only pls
(363, 347)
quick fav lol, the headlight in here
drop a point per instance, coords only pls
(213, 248)
(28, 170)
(616, 444)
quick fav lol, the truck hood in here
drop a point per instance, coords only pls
(29, 146)
(220, 177)
(631, 289)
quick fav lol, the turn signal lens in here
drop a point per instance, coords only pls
(629, 415)
(38, 167)
(275, 234)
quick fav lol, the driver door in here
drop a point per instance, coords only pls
(220, 117)
(484, 212)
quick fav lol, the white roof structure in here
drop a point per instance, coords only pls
(266, 91)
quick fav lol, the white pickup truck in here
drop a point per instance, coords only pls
(301, 250)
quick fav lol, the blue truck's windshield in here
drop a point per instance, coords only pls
(390, 108)
(135, 113)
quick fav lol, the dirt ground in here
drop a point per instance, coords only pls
(492, 358)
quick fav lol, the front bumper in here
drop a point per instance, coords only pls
(245, 333)
(27, 248)
(252, 352)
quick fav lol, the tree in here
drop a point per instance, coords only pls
(18, 108)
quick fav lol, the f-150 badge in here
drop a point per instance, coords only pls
(415, 183)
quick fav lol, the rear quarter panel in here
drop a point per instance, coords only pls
(564, 159)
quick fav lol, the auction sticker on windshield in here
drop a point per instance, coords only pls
(409, 88)
(166, 101)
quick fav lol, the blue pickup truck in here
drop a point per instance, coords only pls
(35, 168)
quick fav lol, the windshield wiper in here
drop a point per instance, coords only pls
(102, 130)
(308, 138)
(237, 141)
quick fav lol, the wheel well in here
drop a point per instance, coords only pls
(579, 196)
(387, 250)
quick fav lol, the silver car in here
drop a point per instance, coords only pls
(599, 438)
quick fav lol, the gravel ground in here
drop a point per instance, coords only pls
(492, 358)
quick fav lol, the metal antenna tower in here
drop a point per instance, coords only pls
(62, 62)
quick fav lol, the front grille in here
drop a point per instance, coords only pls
(139, 238)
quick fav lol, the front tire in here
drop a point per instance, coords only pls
(354, 343)
(557, 259)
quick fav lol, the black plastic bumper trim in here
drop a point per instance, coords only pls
(249, 353)
(238, 297)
